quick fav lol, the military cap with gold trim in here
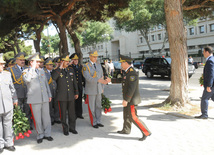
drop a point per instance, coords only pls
(65, 58)
(48, 61)
(42, 58)
(20, 55)
(93, 53)
(57, 60)
(124, 58)
(11, 61)
(2, 59)
(74, 56)
(34, 57)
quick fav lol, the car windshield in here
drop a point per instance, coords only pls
(169, 60)
(117, 64)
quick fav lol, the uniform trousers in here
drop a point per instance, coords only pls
(95, 108)
(41, 118)
(22, 102)
(129, 116)
(70, 107)
(78, 104)
(54, 110)
(6, 131)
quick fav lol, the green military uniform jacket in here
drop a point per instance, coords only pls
(130, 86)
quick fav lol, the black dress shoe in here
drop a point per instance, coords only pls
(123, 132)
(144, 137)
(201, 117)
(48, 138)
(95, 126)
(57, 122)
(81, 117)
(10, 148)
(100, 125)
(73, 131)
(39, 140)
(66, 133)
(1, 150)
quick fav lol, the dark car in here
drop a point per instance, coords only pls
(161, 66)
(118, 72)
(138, 64)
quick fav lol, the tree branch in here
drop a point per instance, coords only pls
(202, 5)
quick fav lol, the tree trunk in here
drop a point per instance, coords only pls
(38, 38)
(178, 49)
(164, 43)
(145, 35)
(62, 35)
(76, 44)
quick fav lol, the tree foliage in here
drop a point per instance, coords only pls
(96, 32)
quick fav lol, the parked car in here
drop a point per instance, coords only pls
(161, 66)
(138, 64)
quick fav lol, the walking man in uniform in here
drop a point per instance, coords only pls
(67, 92)
(20, 86)
(94, 80)
(8, 98)
(80, 82)
(38, 97)
(53, 105)
(131, 98)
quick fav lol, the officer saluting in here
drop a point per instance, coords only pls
(80, 80)
(19, 84)
(67, 91)
(7, 99)
(53, 105)
(38, 97)
(131, 98)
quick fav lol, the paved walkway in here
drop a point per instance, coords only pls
(171, 135)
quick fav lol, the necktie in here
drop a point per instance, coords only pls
(94, 66)
(36, 71)
(21, 68)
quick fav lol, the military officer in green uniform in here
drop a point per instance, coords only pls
(20, 85)
(67, 92)
(42, 62)
(53, 105)
(131, 98)
(7, 99)
(80, 82)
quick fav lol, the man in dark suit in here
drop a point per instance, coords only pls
(208, 76)
(80, 82)
(67, 91)
(131, 98)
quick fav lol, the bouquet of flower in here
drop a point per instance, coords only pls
(21, 124)
(201, 80)
(106, 104)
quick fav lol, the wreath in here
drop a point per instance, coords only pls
(106, 104)
(201, 80)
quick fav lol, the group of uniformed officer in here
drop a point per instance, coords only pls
(49, 93)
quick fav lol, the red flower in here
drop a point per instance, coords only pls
(20, 135)
(29, 131)
(17, 138)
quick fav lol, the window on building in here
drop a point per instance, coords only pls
(153, 37)
(201, 29)
(98, 47)
(141, 39)
(159, 26)
(101, 46)
(211, 27)
(191, 31)
(159, 37)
